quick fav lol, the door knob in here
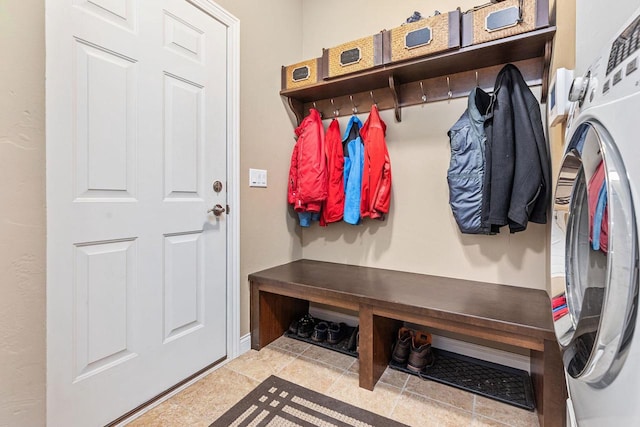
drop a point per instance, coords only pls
(217, 210)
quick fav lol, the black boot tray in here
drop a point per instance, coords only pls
(341, 347)
(498, 382)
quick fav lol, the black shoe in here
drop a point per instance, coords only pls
(293, 327)
(353, 339)
(320, 332)
(305, 326)
(336, 332)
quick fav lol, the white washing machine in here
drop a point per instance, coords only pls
(595, 230)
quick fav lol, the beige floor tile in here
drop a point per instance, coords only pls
(381, 400)
(440, 392)
(289, 344)
(479, 421)
(505, 413)
(169, 414)
(419, 411)
(311, 374)
(216, 393)
(330, 357)
(394, 378)
(261, 364)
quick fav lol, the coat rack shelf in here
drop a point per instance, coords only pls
(435, 78)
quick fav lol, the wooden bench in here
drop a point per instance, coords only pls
(384, 299)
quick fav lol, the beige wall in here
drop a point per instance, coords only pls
(22, 214)
(270, 35)
(420, 234)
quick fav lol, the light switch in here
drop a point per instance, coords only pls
(257, 178)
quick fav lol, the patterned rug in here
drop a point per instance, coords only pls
(279, 403)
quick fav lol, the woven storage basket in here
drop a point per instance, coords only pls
(482, 24)
(302, 74)
(425, 37)
(356, 55)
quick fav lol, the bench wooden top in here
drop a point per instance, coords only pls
(499, 307)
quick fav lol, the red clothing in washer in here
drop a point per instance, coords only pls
(376, 174)
(333, 207)
(308, 172)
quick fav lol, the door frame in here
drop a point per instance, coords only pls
(233, 173)
(233, 170)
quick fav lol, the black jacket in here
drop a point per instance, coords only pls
(517, 178)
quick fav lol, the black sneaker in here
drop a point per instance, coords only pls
(306, 325)
(353, 339)
(320, 332)
(336, 332)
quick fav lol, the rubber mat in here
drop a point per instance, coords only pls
(498, 382)
(341, 347)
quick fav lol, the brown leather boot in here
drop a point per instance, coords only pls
(403, 345)
(421, 355)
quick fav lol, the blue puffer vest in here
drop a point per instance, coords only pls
(467, 166)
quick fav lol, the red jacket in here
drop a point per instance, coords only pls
(308, 172)
(333, 207)
(376, 174)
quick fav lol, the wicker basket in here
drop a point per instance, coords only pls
(503, 19)
(356, 55)
(302, 74)
(425, 37)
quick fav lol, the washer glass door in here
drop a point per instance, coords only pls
(595, 241)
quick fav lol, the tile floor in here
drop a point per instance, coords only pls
(399, 396)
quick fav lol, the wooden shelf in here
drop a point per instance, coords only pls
(397, 85)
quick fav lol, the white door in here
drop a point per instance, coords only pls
(136, 136)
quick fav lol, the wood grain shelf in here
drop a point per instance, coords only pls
(398, 85)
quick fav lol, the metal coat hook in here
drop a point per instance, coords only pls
(477, 84)
(316, 108)
(424, 95)
(336, 112)
(372, 98)
(449, 93)
(354, 109)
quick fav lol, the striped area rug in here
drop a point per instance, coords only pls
(280, 403)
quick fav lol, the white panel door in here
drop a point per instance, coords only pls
(136, 136)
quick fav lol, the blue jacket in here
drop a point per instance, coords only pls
(353, 164)
(467, 167)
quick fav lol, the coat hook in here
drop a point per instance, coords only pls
(449, 93)
(477, 85)
(354, 109)
(424, 95)
(372, 98)
(316, 108)
(336, 112)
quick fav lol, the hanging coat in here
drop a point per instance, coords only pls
(376, 172)
(465, 175)
(333, 207)
(307, 174)
(353, 162)
(518, 177)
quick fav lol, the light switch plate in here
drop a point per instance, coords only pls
(257, 178)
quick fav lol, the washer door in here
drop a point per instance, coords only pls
(594, 231)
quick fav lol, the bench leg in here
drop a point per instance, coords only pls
(271, 315)
(376, 338)
(547, 374)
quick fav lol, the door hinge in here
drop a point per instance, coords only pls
(228, 211)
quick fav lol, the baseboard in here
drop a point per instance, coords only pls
(489, 354)
(334, 316)
(245, 343)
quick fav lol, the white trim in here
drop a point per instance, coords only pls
(489, 354)
(233, 170)
(245, 343)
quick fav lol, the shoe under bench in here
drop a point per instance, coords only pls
(384, 299)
